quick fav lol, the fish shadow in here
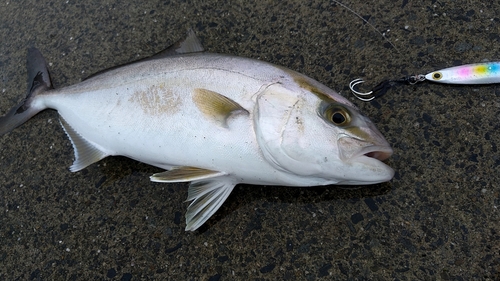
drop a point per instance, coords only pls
(119, 168)
(244, 195)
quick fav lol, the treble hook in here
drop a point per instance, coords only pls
(358, 94)
(382, 87)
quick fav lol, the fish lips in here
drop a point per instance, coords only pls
(368, 154)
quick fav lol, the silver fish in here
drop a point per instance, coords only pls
(213, 120)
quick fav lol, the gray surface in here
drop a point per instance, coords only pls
(438, 219)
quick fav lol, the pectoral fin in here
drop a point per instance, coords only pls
(85, 152)
(216, 106)
(184, 174)
(207, 197)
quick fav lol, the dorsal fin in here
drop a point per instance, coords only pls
(190, 44)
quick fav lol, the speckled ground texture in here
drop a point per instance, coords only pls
(438, 219)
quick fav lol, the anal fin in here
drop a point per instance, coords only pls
(207, 197)
(85, 152)
(184, 174)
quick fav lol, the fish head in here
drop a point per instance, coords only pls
(318, 138)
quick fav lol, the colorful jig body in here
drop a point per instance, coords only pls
(467, 74)
(477, 73)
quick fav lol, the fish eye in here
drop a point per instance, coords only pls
(337, 115)
(437, 75)
(338, 118)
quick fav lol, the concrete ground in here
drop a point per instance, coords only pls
(438, 219)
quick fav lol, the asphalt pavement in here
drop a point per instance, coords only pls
(438, 219)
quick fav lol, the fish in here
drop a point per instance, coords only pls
(213, 120)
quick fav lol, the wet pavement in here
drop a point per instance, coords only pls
(438, 219)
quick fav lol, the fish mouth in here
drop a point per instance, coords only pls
(365, 156)
(368, 155)
(380, 153)
(371, 157)
(353, 149)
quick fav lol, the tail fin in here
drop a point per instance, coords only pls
(38, 82)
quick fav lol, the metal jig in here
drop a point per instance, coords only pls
(470, 74)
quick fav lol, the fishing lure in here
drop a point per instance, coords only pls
(468, 74)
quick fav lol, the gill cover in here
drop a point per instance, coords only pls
(275, 109)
